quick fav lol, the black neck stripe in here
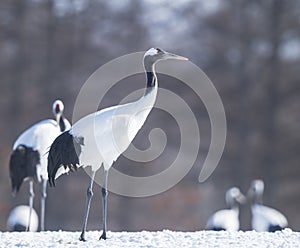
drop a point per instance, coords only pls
(62, 125)
(151, 79)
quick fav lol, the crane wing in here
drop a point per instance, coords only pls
(63, 155)
(22, 165)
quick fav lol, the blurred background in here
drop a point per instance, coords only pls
(249, 49)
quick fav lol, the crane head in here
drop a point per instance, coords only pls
(256, 190)
(233, 196)
(57, 107)
(154, 55)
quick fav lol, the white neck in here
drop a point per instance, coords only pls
(147, 101)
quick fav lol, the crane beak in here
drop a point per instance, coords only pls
(241, 199)
(173, 56)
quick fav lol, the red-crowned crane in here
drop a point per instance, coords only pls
(264, 219)
(28, 160)
(228, 219)
(100, 138)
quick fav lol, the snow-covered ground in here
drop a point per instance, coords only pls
(166, 238)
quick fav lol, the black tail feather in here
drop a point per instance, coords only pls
(22, 164)
(274, 228)
(218, 229)
(64, 151)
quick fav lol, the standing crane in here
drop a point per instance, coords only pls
(100, 138)
(264, 219)
(28, 160)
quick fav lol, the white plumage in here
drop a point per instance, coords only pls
(100, 138)
(28, 160)
(113, 132)
(227, 219)
(19, 217)
(108, 132)
(264, 219)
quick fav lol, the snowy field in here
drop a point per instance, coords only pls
(166, 238)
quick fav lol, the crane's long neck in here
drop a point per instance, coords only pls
(60, 122)
(151, 79)
(152, 83)
(144, 105)
(232, 204)
(235, 207)
(141, 108)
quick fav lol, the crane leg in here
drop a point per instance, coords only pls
(31, 196)
(43, 199)
(104, 204)
(89, 195)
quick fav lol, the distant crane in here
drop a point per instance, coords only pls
(18, 219)
(228, 219)
(100, 138)
(28, 160)
(264, 219)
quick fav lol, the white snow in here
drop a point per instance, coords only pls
(165, 238)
